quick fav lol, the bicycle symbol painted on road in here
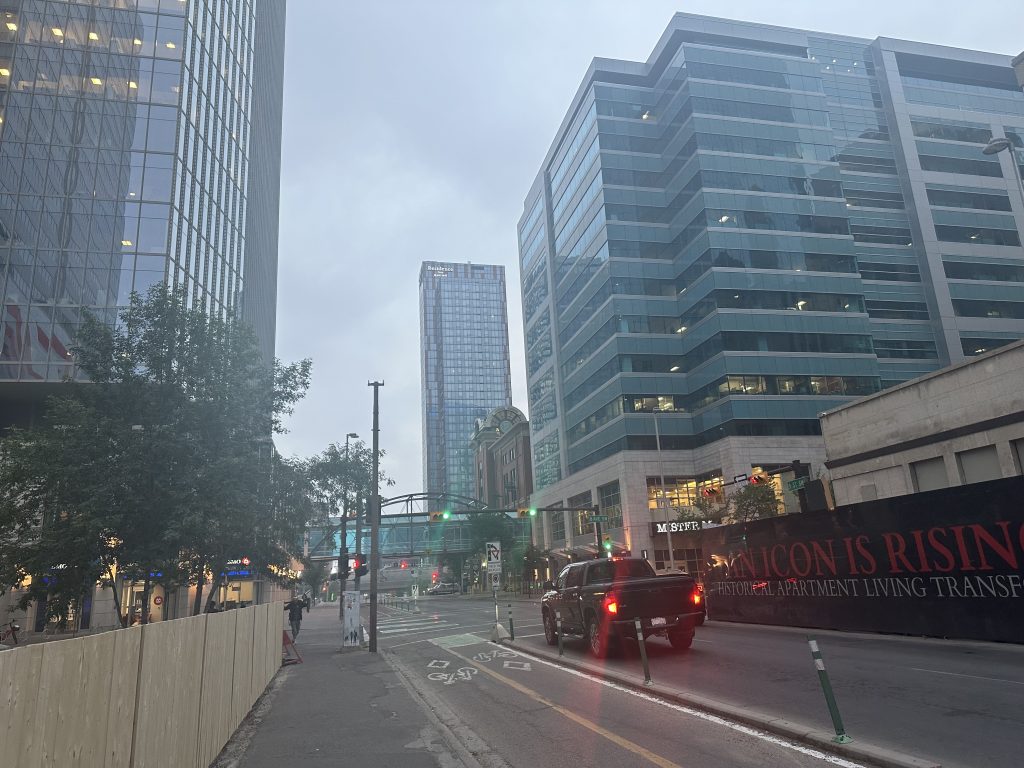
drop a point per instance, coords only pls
(461, 674)
(492, 655)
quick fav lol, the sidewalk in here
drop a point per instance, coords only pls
(337, 708)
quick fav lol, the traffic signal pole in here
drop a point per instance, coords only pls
(375, 515)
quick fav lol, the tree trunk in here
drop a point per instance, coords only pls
(122, 618)
(197, 604)
(215, 585)
(144, 619)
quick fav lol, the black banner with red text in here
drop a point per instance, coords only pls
(946, 563)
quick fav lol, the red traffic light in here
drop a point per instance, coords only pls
(405, 564)
(758, 479)
(356, 562)
(434, 575)
(709, 490)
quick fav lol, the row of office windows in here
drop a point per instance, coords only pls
(728, 386)
(733, 428)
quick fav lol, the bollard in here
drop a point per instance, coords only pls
(830, 698)
(511, 626)
(558, 625)
(643, 651)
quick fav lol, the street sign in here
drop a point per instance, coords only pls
(494, 558)
(598, 518)
(797, 484)
(493, 552)
(495, 580)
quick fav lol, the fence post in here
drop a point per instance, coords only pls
(511, 626)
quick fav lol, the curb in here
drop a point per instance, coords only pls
(804, 734)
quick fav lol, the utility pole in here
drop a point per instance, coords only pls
(343, 552)
(375, 515)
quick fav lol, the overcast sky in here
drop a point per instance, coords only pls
(413, 130)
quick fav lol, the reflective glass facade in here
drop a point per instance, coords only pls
(127, 159)
(464, 366)
(756, 225)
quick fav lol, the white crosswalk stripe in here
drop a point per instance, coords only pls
(402, 625)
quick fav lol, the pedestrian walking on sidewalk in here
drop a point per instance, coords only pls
(294, 608)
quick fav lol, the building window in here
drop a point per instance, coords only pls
(979, 465)
(929, 474)
(610, 502)
(1018, 455)
(582, 524)
(557, 520)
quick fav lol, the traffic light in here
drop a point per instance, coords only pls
(532, 511)
(405, 564)
(446, 514)
(759, 479)
(607, 543)
(436, 517)
(359, 566)
(711, 492)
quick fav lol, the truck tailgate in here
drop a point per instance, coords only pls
(661, 596)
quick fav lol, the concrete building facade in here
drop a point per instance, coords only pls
(960, 425)
(754, 226)
(501, 456)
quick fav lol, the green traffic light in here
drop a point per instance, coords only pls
(533, 512)
(446, 514)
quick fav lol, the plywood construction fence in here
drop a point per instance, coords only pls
(163, 695)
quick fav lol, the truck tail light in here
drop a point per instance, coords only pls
(697, 598)
(611, 604)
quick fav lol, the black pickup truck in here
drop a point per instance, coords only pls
(599, 600)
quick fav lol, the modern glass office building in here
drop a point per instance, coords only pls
(139, 144)
(753, 226)
(464, 365)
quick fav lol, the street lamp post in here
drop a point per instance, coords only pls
(997, 145)
(343, 552)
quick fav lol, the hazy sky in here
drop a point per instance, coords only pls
(413, 130)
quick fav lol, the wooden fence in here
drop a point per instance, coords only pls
(163, 695)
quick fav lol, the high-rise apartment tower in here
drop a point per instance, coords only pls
(464, 366)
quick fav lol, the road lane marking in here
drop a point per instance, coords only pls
(439, 664)
(973, 677)
(539, 634)
(626, 744)
(745, 729)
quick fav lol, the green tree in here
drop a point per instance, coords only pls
(161, 464)
(705, 508)
(314, 574)
(753, 502)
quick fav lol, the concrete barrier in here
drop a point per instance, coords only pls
(164, 695)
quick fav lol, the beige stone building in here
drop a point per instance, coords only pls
(962, 424)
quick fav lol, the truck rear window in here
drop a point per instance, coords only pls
(617, 570)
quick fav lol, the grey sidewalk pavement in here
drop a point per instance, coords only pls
(337, 708)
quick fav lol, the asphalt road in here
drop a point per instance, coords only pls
(515, 710)
(958, 703)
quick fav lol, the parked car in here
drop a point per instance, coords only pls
(601, 599)
(444, 588)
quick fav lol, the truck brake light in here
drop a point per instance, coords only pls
(696, 598)
(611, 604)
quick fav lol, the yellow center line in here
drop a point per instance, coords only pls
(589, 724)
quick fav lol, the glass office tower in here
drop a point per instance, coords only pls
(139, 144)
(464, 366)
(753, 226)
